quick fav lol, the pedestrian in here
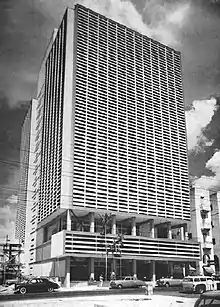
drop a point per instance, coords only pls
(101, 280)
(113, 276)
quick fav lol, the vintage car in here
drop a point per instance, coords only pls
(211, 298)
(36, 285)
(169, 282)
(127, 282)
(199, 284)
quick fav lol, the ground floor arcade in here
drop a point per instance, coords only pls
(73, 269)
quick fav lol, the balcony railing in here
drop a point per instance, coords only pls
(206, 225)
(93, 244)
(207, 244)
(204, 208)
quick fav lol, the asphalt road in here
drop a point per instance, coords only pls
(164, 298)
(170, 292)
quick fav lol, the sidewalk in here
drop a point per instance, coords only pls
(84, 288)
(6, 290)
(140, 300)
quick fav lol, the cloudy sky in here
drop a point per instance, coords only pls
(193, 27)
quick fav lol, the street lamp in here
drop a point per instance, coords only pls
(115, 246)
(105, 221)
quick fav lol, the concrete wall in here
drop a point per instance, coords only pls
(58, 244)
(55, 268)
(67, 137)
(41, 75)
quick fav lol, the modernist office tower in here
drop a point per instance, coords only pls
(113, 144)
(25, 228)
(23, 183)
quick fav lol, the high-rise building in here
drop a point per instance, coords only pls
(112, 144)
(23, 182)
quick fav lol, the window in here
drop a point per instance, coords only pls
(208, 302)
(45, 234)
(213, 241)
(33, 281)
(187, 279)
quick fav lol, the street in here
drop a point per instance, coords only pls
(162, 298)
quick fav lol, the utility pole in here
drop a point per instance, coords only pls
(12, 264)
(5, 251)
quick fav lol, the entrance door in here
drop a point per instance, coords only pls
(79, 269)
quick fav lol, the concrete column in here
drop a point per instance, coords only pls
(114, 267)
(185, 232)
(113, 224)
(92, 268)
(153, 272)
(134, 267)
(152, 229)
(68, 220)
(182, 233)
(67, 273)
(184, 270)
(200, 267)
(169, 231)
(92, 221)
(133, 226)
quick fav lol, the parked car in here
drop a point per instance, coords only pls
(169, 282)
(127, 282)
(211, 298)
(36, 285)
(199, 284)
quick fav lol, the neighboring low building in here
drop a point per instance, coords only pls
(215, 216)
(200, 227)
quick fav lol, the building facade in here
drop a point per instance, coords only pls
(112, 145)
(201, 228)
(204, 227)
(23, 182)
(215, 216)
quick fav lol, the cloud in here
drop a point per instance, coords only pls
(178, 15)
(166, 19)
(158, 20)
(121, 11)
(197, 119)
(13, 199)
(7, 218)
(7, 230)
(211, 182)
